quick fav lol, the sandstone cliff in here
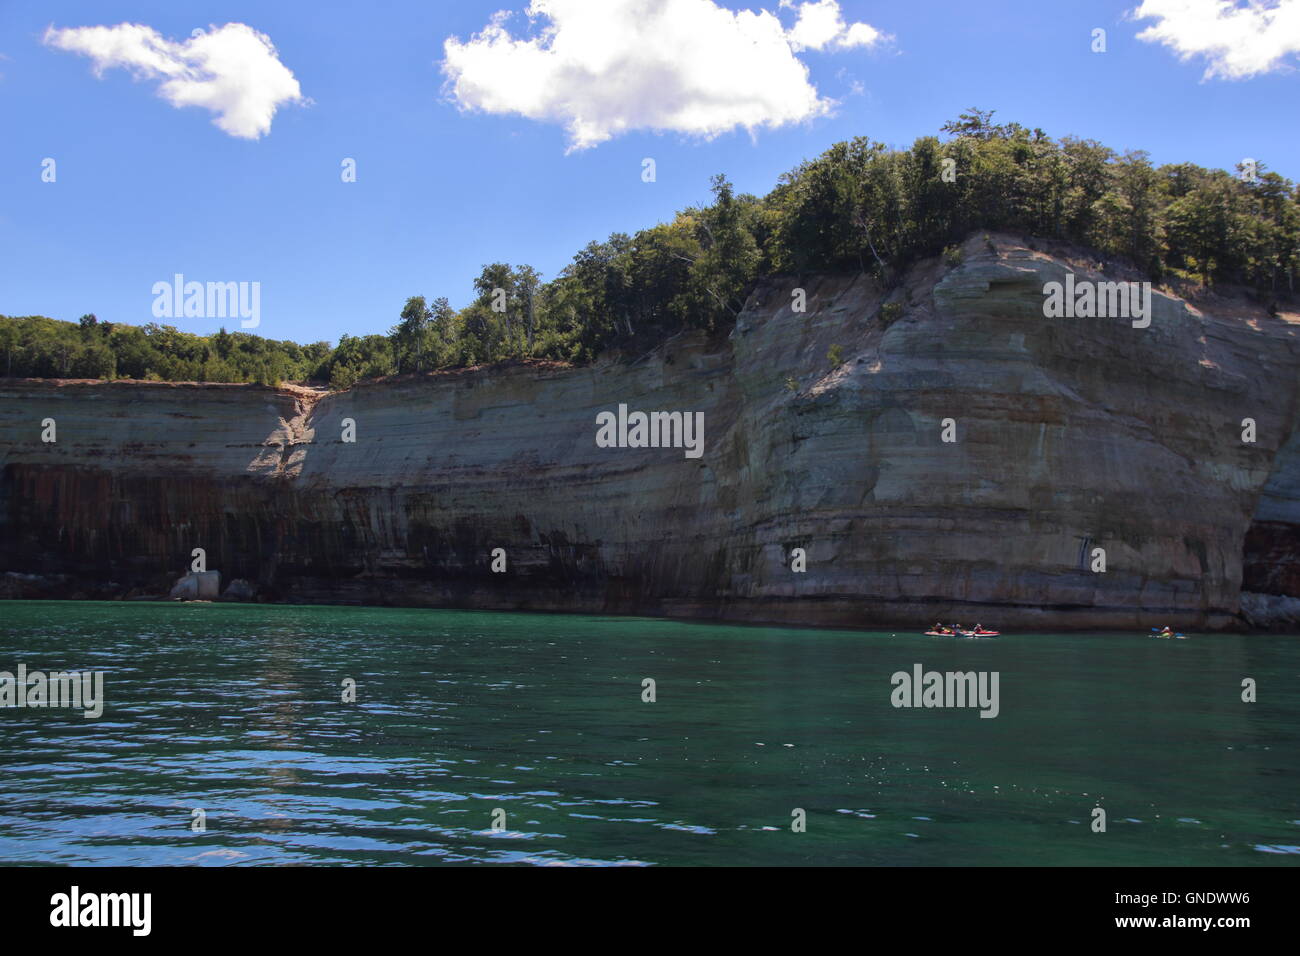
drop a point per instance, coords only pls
(1072, 435)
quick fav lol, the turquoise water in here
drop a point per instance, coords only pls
(236, 710)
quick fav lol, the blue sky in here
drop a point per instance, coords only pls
(145, 190)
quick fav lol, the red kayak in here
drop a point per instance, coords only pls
(980, 633)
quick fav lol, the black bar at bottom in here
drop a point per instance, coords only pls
(333, 905)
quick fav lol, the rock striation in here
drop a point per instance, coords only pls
(1071, 435)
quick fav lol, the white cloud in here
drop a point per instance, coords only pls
(1238, 41)
(231, 70)
(688, 66)
(820, 24)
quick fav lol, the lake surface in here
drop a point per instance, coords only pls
(236, 710)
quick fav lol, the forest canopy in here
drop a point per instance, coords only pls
(859, 206)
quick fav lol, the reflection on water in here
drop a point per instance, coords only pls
(238, 711)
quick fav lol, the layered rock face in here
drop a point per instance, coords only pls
(1071, 435)
(1273, 541)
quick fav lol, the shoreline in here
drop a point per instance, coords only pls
(909, 629)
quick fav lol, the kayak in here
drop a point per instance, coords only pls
(1181, 637)
(980, 633)
(939, 634)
